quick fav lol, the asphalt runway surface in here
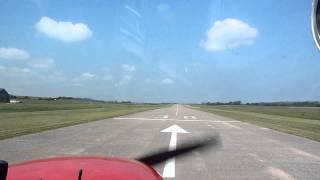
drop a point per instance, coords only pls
(246, 152)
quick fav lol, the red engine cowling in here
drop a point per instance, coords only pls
(93, 168)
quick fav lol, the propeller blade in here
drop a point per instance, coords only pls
(165, 154)
(3, 169)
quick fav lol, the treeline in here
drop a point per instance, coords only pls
(69, 98)
(223, 103)
(53, 98)
(288, 103)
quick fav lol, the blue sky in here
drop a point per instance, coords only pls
(160, 51)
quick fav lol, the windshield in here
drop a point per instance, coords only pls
(120, 72)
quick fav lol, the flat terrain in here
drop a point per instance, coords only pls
(301, 121)
(247, 152)
(39, 115)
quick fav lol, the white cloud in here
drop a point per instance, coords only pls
(168, 69)
(13, 71)
(125, 79)
(44, 63)
(87, 76)
(229, 33)
(167, 81)
(83, 78)
(186, 69)
(13, 54)
(128, 67)
(65, 31)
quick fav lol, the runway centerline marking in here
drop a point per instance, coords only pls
(177, 110)
(169, 167)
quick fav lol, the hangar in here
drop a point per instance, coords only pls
(4, 96)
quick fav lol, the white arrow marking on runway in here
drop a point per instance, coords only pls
(169, 167)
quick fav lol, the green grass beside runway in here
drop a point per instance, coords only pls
(300, 121)
(38, 115)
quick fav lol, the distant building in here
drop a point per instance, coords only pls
(4, 96)
(14, 101)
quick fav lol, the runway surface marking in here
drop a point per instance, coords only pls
(169, 119)
(303, 153)
(230, 125)
(279, 173)
(189, 117)
(177, 110)
(169, 167)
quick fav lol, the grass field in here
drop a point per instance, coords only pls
(39, 115)
(300, 121)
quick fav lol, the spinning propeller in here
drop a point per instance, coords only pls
(102, 167)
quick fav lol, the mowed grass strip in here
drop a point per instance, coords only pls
(287, 111)
(31, 105)
(309, 128)
(20, 123)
